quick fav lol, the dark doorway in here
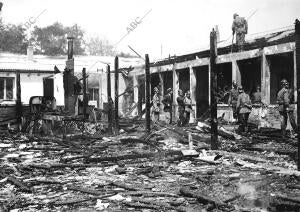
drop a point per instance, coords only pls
(48, 87)
(184, 79)
(224, 73)
(202, 92)
(168, 80)
(250, 74)
(155, 82)
(281, 66)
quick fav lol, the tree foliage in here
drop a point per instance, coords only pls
(12, 38)
(100, 47)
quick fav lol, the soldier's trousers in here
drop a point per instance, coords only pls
(284, 115)
(240, 40)
(181, 117)
(243, 118)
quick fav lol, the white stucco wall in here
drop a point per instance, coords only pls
(32, 85)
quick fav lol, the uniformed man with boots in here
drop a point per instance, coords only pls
(167, 101)
(180, 102)
(244, 107)
(284, 108)
(240, 28)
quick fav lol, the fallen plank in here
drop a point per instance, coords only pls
(76, 201)
(16, 182)
(185, 191)
(85, 190)
(134, 156)
(126, 186)
(150, 193)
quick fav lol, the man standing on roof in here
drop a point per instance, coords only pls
(240, 28)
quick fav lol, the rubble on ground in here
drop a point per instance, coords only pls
(168, 169)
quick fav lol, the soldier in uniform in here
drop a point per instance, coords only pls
(232, 100)
(155, 105)
(284, 100)
(180, 102)
(167, 101)
(240, 28)
(188, 107)
(244, 107)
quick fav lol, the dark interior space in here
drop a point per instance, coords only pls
(201, 92)
(184, 79)
(155, 82)
(224, 71)
(48, 84)
(281, 66)
(168, 80)
(250, 70)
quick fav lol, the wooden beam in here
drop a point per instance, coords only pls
(147, 73)
(213, 105)
(239, 56)
(109, 100)
(174, 112)
(297, 37)
(280, 48)
(193, 84)
(19, 101)
(236, 74)
(116, 94)
(265, 79)
(85, 99)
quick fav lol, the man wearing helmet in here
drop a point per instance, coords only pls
(284, 100)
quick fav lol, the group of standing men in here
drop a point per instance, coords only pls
(184, 106)
(242, 105)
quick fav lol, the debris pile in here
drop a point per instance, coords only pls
(169, 169)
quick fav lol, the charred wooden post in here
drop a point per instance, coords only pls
(213, 89)
(69, 79)
(85, 99)
(116, 94)
(109, 101)
(147, 73)
(297, 35)
(19, 101)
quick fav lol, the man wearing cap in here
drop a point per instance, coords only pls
(240, 28)
(167, 101)
(244, 107)
(284, 100)
(232, 100)
(155, 105)
(180, 102)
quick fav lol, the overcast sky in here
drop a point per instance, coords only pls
(179, 26)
